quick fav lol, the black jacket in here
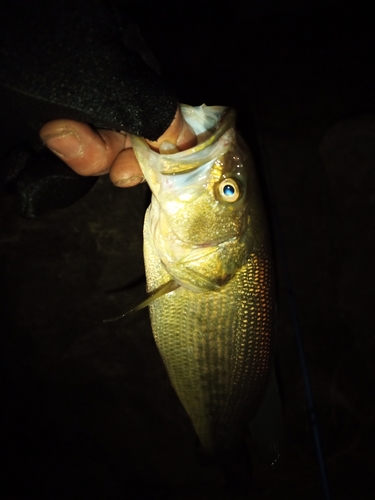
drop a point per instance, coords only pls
(76, 59)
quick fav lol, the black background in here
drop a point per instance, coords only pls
(87, 410)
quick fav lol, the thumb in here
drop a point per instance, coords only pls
(178, 137)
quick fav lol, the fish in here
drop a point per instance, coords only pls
(210, 277)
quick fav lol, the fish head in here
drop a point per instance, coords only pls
(200, 218)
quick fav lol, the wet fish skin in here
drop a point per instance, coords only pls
(215, 331)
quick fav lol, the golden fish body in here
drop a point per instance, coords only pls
(206, 230)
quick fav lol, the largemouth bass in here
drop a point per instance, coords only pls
(208, 268)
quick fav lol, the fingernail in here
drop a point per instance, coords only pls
(130, 181)
(67, 145)
(168, 148)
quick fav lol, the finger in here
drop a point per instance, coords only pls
(125, 171)
(85, 150)
(179, 133)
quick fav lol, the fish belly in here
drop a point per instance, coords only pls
(216, 346)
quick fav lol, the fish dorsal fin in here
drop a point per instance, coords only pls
(266, 426)
(156, 294)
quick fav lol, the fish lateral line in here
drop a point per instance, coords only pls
(156, 294)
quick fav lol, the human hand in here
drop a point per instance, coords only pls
(92, 152)
(93, 67)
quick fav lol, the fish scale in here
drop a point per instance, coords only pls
(212, 362)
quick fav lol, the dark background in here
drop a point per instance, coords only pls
(87, 409)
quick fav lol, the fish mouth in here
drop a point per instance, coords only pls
(219, 139)
(191, 159)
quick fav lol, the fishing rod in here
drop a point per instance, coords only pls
(289, 288)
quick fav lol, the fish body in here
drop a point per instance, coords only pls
(206, 231)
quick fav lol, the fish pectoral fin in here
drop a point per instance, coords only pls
(266, 426)
(156, 294)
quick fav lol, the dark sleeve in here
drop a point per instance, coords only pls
(77, 59)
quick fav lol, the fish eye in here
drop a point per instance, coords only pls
(229, 190)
